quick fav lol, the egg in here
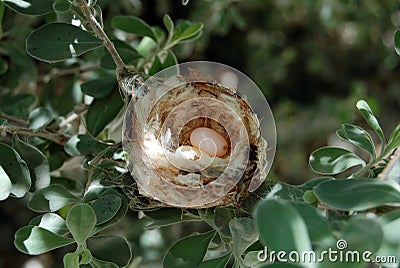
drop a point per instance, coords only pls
(209, 141)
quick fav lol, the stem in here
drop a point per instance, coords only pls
(392, 162)
(55, 137)
(98, 30)
(63, 72)
(13, 120)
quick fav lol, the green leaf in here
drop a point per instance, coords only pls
(118, 216)
(311, 183)
(106, 207)
(52, 222)
(128, 55)
(51, 198)
(95, 263)
(71, 260)
(357, 136)
(397, 41)
(132, 24)
(37, 163)
(391, 237)
(169, 61)
(317, 226)
(366, 112)
(61, 5)
(40, 118)
(222, 217)
(189, 251)
(362, 234)
(169, 25)
(69, 184)
(30, 7)
(63, 41)
(83, 145)
(3, 63)
(100, 87)
(16, 170)
(333, 160)
(244, 233)
(155, 67)
(81, 220)
(5, 184)
(394, 140)
(103, 111)
(17, 105)
(187, 31)
(86, 257)
(35, 240)
(281, 227)
(220, 262)
(100, 247)
(357, 194)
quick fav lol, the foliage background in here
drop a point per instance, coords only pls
(312, 59)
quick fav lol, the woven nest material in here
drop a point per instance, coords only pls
(157, 131)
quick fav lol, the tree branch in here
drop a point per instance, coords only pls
(55, 137)
(389, 166)
(98, 30)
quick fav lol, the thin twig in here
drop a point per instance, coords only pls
(98, 30)
(63, 72)
(55, 137)
(393, 159)
(13, 120)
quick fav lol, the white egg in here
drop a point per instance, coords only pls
(209, 141)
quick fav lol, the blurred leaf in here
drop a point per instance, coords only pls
(362, 234)
(146, 46)
(2, 9)
(81, 220)
(251, 259)
(100, 87)
(131, 24)
(244, 233)
(34, 240)
(16, 170)
(37, 163)
(5, 184)
(357, 136)
(220, 262)
(3, 64)
(17, 105)
(357, 194)
(62, 5)
(103, 111)
(189, 251)
(52, 222)
(397, 41)
(281, 227)
(71, 260)
(317, 226)
(83, 145)
(366, 112)
(394, 140)
(333, 160)
(30, 7)
(69, 184)
(100, 247)
(63, 41)
(106, 207)
(40, 118)
(391, 237)
(51, 198)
